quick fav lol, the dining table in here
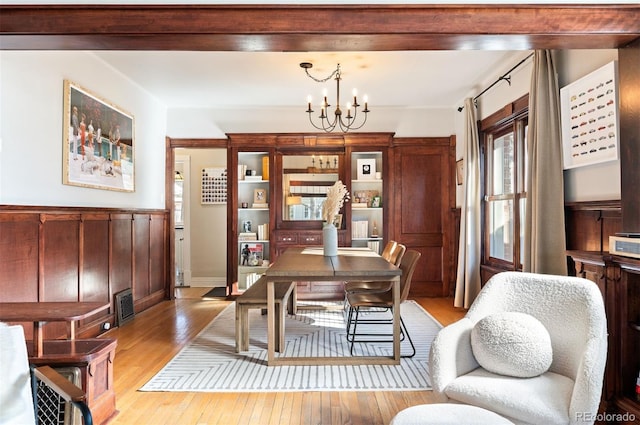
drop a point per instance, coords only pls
(302, 264)
(48, 311)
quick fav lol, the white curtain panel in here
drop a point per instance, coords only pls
(544, 239)
(468, 275)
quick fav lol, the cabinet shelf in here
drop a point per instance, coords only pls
(254, 241)
(376, 238)
(366, 181)
(367, 209)
(252, 181)
(253, 209)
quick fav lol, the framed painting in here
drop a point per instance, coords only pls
(98, 146)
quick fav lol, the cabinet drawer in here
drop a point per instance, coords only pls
(287, 238)
(308, 238)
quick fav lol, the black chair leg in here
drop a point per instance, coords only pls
(405, 331)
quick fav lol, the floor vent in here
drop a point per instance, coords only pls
(124, 307)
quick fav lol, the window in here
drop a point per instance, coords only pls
(504, 172)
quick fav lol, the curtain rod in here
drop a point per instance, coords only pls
(506, 77)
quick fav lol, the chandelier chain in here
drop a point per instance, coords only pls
(323, 80)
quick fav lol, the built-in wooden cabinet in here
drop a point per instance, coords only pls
(401, 189)
(589, 225)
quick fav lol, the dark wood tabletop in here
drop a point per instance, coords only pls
(49, 311)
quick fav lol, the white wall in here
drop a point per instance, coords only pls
(594, 182)
(31, 120)
(215, 123)
(208, 223)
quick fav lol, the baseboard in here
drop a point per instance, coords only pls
(208, 282)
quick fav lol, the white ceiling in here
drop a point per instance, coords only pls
(413, 79)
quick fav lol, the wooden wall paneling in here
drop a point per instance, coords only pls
(94, 267)
(19, 235)
(421, 203)
(629, 140)
(59, 263)
(121, 261)
(157, 238)
(141, 238)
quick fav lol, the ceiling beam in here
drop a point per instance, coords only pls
(317, 28)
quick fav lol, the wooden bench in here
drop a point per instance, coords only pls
(256, 297)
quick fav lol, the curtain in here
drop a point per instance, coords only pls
(544, 237)
(468, 275)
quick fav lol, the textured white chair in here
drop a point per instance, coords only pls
(572, 311)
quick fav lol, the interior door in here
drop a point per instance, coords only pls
(423, 196)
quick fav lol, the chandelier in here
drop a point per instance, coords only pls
(344, 120)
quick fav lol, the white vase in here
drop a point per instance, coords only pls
(330, 240)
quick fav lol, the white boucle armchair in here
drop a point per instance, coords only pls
(572, 311)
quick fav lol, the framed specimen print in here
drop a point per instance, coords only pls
(589, 117)
(98, 146)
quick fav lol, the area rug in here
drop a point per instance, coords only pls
(210, 364)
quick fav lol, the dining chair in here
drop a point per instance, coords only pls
(374, 303)
(393, 253)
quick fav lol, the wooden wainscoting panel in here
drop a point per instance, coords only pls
(141, 256)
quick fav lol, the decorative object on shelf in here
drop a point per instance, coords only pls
(343, 123)
(365, 198)
(337, 221)
(337, 195)
(260, 198)
(374, 231)
(251, 254)
(214, 186)
(246, 226)
(366, 169)
(376, 202)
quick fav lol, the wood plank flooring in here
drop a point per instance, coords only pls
(156, 335)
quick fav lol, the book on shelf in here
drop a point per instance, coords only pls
(253, 178)
(359, 205)
(263, 231)
(374, 246)
(248, 236)
(259, 205)
(359, 229)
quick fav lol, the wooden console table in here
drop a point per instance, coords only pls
(42, 312)
(94, 357)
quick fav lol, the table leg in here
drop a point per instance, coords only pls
(271, 315)
(396, 319)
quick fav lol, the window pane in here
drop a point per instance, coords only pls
(501, 229)
(502, 165)
(525, 160)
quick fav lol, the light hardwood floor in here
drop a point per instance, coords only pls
(156, 335)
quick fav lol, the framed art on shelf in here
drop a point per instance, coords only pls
(98, 145)
(259, 197)
(366, 169)
(589, 117)
(251, 254)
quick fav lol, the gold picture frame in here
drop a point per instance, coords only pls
(260, 196)
(98, 146)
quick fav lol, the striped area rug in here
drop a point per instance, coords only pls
(210, 364)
